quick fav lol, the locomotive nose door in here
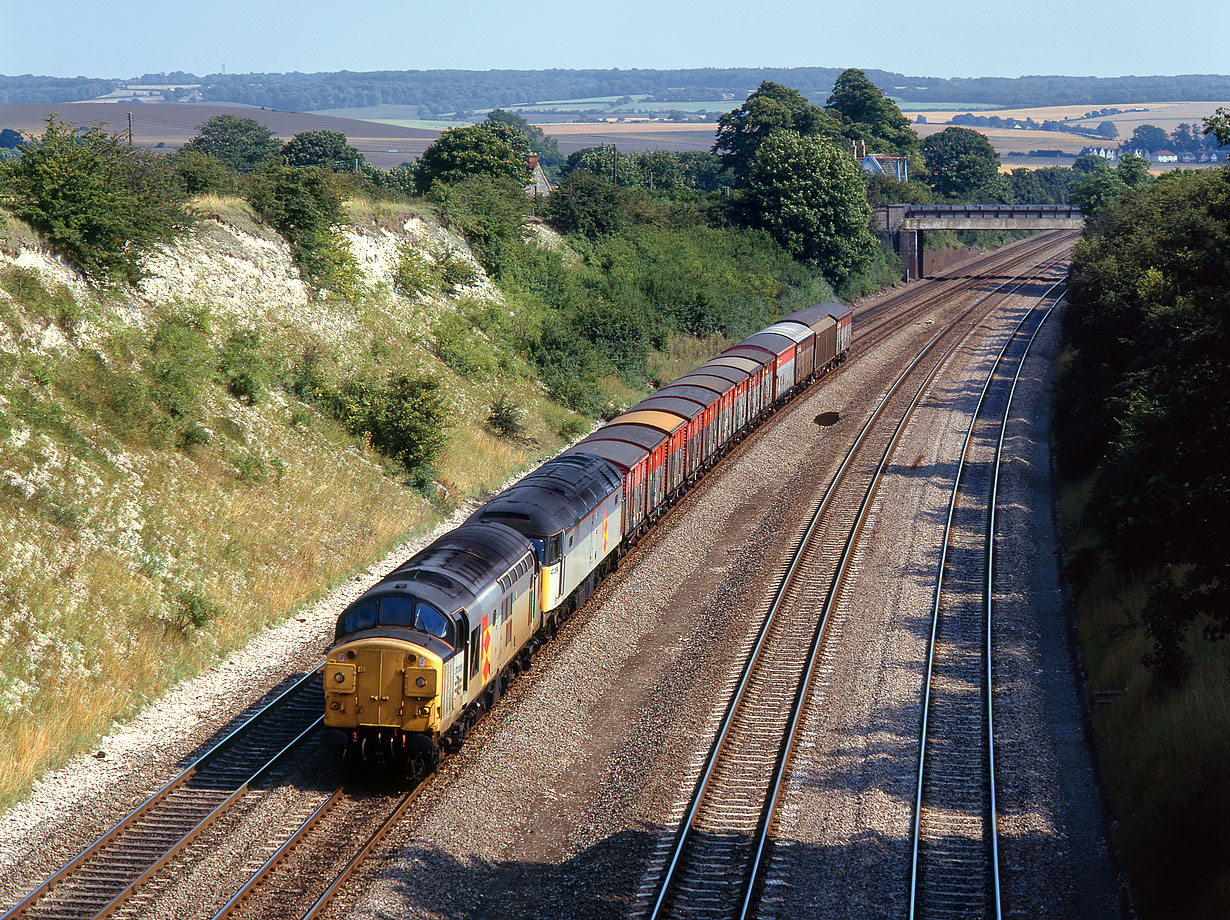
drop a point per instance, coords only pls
(389, 687)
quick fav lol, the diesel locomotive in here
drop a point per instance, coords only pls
(419, 657)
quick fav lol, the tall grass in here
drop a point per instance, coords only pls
(1165, 755)
(131, 557)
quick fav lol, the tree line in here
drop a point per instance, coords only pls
(450, 91)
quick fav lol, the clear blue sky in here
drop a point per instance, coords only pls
(126, 38)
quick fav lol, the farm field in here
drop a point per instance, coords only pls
(173, 124)
(1165, 115)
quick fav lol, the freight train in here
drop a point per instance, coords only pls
(419, 657)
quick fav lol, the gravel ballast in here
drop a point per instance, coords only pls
(561, 797)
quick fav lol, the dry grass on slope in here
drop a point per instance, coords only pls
(138, 546)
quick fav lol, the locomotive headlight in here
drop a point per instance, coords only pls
(339, 678)
(422, 682)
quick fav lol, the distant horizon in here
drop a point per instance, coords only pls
(720, 67)
(1050, 37)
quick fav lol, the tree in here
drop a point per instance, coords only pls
(241, 143)
(1149, 323)
(1134, 171)
(304, 204)
(1148, 137)
(1097, 192)
(1218, 125)
(1182, 137)
(328, 149)
(606, 161)
(101, 201)
(1049, 185)
(1088, 163)
(809, 196)
(961, 162)
(199, 172)
(1107, 129)
(868, 115)
(490, 148)
(540, 142)
(587, 204)
(772, 107)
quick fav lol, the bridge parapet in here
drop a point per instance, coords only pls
(981, 217)
(906, 223)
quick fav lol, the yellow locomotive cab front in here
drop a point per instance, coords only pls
(379, 689)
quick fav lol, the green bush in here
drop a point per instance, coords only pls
(505, 418)
(404, 418)
(416, 274)
(180, 360)
(304, 205)
(193, 609)
(461, 348)
(102, 202)
(243, 367)
(199, 172)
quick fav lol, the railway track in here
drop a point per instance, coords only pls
(711, 868)
(104, 876)
(312, 867)
(954, 869)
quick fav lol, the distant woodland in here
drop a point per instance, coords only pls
(439, 92)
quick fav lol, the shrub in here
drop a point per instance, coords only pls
(304, 205)
(243, 367)
(193, 609)
(416, 274)
(199, 172)
(404, 418)
(180, 360)
(103, 203)
(504, 418)
(460, 347)
(456, 272)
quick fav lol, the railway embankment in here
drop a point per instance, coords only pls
(182, 465)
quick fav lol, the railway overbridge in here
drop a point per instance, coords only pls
(907, 224)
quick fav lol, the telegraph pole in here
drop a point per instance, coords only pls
(130, 129)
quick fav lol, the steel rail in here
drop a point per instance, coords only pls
(737, 698)
(386, 826)
(262, 874)
(149, 806)
(938, 594)
(873, 320)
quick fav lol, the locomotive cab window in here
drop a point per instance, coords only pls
(431, 621)
(554, 551)
(396, 610)
(360, 617)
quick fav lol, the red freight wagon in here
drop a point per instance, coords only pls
(805, 338)
(727, 393)
(693, 414)
(784, 348)
(764, 376)
(742, 380)
(711, 405)
(656, 443)
(756, 372)
(675, 427)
